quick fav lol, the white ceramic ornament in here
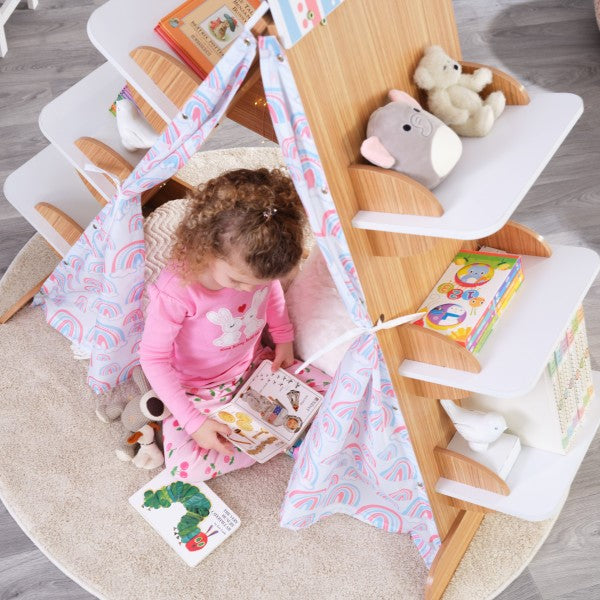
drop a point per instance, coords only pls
(479, 429)
(136, 133)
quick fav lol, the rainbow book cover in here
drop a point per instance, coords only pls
(466, 297)
(188, 515)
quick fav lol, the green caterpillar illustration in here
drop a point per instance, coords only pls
(197, 507)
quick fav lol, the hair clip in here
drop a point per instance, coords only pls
(267, 214)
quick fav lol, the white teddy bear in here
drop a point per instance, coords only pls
(453, 96)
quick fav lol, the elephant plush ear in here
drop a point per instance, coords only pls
(374, 151)
(400, 96)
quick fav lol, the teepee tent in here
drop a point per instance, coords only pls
(357, 458)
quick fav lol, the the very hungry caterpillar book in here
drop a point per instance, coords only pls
(269, 412)
(469, 297)
(188, 515)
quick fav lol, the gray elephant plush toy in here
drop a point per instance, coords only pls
(406, 138)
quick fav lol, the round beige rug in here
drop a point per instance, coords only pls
(61, 481)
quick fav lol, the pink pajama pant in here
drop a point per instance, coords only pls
(186, 459)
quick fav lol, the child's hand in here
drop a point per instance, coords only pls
(284, 356)
(211, 436)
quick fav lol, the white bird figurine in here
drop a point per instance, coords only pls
(479, 429)
(136, 133)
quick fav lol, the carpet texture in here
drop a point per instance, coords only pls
(61, 481)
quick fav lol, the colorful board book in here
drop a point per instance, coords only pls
(469, 298)
(200, 31)
(188, 515)
(269, 412)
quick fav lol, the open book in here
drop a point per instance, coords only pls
(269, 412)
(189, 516)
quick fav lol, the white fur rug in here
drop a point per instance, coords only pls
(61, 481)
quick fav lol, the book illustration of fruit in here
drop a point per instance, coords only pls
(197, 507)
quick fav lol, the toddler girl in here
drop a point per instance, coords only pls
(243, 232)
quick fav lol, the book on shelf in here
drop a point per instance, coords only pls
(188, 515)
(200, 31)
(269, 413)
(471, 295)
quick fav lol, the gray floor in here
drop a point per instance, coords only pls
(550, 44)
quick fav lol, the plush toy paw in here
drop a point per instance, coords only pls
(480, 78)
(497, 102)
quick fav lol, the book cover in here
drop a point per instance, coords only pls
(189, 516)
(465, 298)
(200, 31)
(269, 412)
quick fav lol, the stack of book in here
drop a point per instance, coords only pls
(200, 31)
(571, 375)
(471, 295)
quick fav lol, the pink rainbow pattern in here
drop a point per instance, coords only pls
(357, 458)
(101, 279)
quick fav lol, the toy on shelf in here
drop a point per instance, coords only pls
(140, 417)
(406, 138)
(473, 292)
(478, 428)
(480, 453)
(136, 133)
(453, 96)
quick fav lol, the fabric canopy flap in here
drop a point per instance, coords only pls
(357, 457)
(94, 295)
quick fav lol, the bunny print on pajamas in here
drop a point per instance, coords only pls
(251, 321)
(229, 324)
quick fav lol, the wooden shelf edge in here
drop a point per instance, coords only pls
(514, 91)
(104, 157)
(385, 190)
(66, 227)
(463, 469)
(518, 239)
(428, 346)
(175, 79)
(451, 552)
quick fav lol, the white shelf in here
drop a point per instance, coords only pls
(519, 347)
(493, 174)
(540, 480)
(117, 27)
(83, 110)
(47, 177)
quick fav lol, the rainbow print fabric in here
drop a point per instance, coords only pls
(357, 457)
(94, 295)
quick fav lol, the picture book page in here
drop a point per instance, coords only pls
(188, 515)
(269, 412)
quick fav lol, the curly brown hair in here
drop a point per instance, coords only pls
(256, 213)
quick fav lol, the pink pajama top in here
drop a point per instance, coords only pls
(195, 337)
